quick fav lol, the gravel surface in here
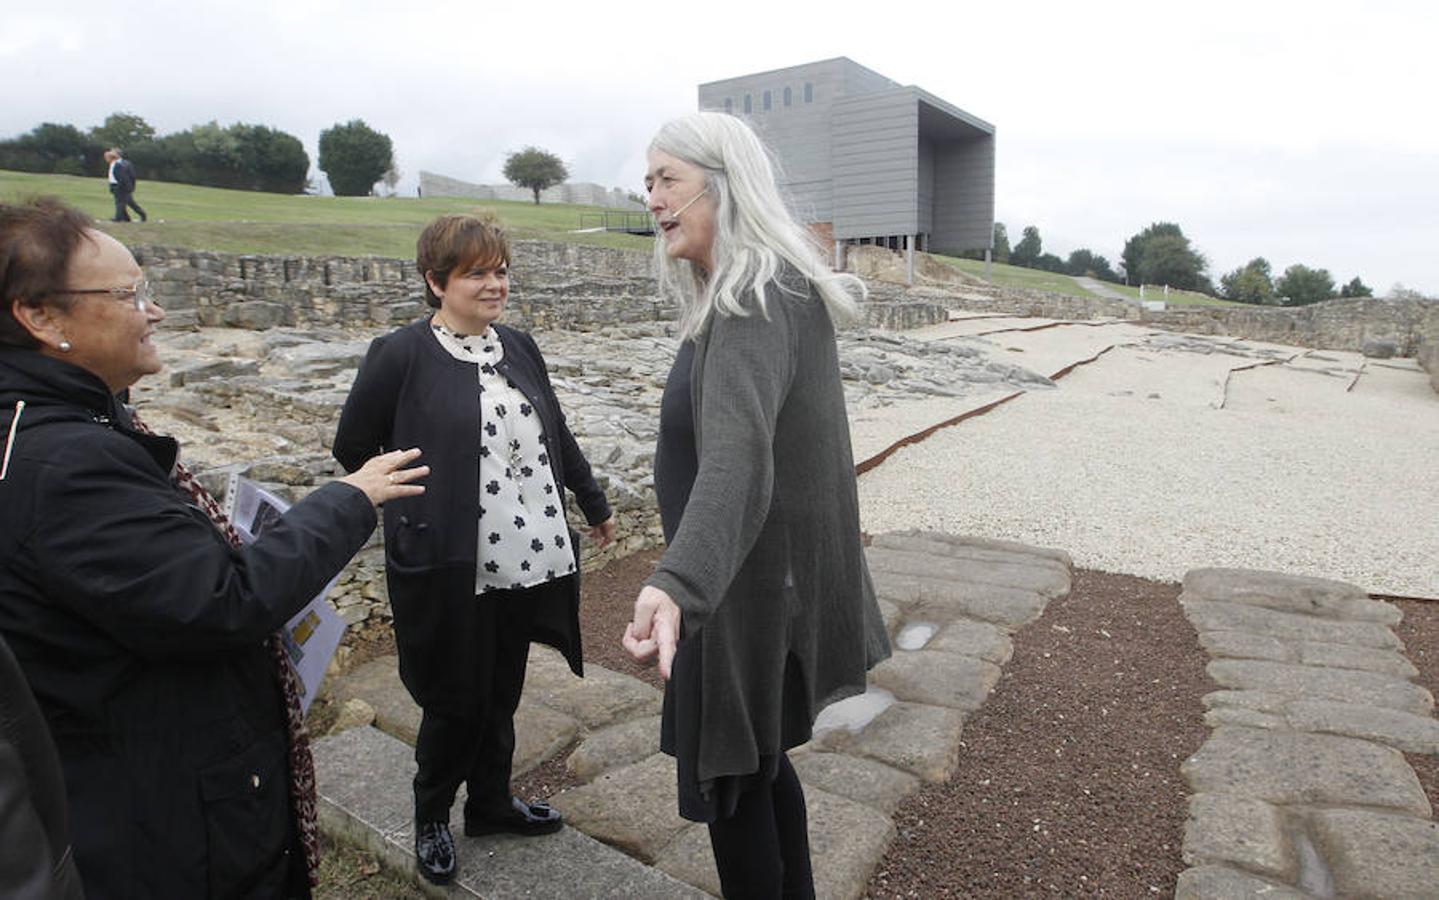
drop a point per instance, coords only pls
(1068, 781)
(1131, 467)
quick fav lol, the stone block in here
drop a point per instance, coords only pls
(874, 784)
(1289, 593)
(616, 746)
(937, 678)
(1292, 768)
(916, 738)
(1213, 615)
(540, 733)
(1220, 883)
(1249, 718)
(1343, 656)
(1043, 577)
(1400, 730)
(690, 858)
(960, 543)
(1248, 834)
(1315, 682)
(846, 840)
(940, 601)
(1372, 854)
(971, 638)
(1241, 645)
(256, 315)
(632, 808)
(599, 699)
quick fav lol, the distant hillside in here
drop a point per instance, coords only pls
(203, 218)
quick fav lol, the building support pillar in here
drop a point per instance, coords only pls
(988, 263)
(909, 259)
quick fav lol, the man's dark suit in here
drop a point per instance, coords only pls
(123, 188)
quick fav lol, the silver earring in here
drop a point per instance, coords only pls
(65, 346)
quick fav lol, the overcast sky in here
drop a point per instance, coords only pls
(1289, 130)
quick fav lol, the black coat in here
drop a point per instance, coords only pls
(36, 861)
(410, 392)
(142, 633)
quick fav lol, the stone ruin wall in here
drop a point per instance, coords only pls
(1377, 327)
(584, 288)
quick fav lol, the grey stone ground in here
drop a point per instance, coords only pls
(952, 601)
(1302, 789)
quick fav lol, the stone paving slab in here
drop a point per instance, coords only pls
(1363, 846)
(1239, 831)
(1295, 768)
(1220, 616)
(1321, 682)
(1048, 581)
(941, 601)
(1221, 883)
(362, 801)
(1303, 780)
(1290, 593)
(956, 600)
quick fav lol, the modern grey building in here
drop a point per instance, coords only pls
(867, 160)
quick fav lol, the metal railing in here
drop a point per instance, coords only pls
(619, 220)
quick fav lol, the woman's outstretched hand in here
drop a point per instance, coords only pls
(655, 630)
(384, 477)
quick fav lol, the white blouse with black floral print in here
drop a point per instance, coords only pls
(524, 540)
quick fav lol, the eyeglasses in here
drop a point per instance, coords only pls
(139, 294)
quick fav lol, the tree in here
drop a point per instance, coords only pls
(354, 156)
(535, 169)
(1250, 283)
(1301, 285)
(1001, 243)
(1168, 259)
(123, 130)
(1356, 288)
(1048, 262)
(1087, 262)
(1134, 247)
(1028, 249)
(51, 147)
(1161, 254)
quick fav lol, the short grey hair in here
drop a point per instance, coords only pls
(755, 234)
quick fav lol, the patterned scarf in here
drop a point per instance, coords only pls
(302, 765)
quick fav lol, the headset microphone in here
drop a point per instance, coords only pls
(675, 216)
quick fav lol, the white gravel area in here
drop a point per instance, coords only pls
(1131, 467)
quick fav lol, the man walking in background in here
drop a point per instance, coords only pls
(122, 186)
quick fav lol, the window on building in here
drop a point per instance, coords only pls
(808, 92)
(748, 104)
(788, 95)
(767, 104)
(729, 104)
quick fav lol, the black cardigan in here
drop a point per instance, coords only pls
(410, 392)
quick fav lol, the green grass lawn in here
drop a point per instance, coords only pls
(183, 215)
(1054, 282)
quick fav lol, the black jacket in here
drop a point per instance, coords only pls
(410, 392)
(125, 175)
(36, 862)
(142, 633)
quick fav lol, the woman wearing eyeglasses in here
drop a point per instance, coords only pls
(144, 630)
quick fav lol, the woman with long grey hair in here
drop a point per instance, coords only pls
(761, 610)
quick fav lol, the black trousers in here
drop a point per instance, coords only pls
(124, 198)
(762, 851)
(477, 748)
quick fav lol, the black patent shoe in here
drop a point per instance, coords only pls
(526, 819)
(435, 852)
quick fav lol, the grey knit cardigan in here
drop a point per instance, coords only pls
(767, 566)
